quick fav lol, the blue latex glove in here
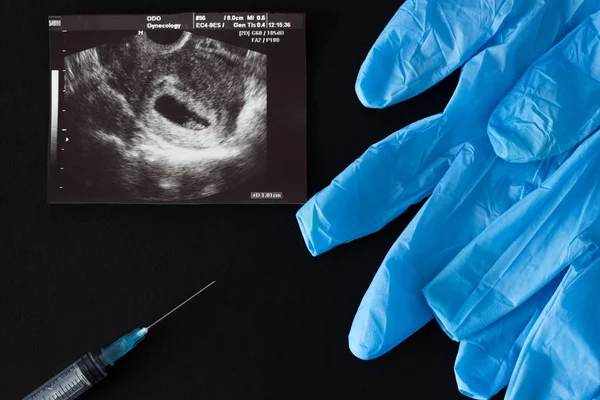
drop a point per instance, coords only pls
(555, 104)
(548, 356)
(476, 190)
(497, 41)
(561, 357)
(486, 361)
(522, 250)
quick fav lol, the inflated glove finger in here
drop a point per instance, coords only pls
(486, 360)
(561, 357)
(556, 103)
(423, 43)
(405, 167)
(522, 250)
(476, 190)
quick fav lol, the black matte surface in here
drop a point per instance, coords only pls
(74, 278)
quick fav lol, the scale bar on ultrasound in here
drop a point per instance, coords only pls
(54, 116)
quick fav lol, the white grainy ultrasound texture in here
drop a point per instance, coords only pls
(166, 121)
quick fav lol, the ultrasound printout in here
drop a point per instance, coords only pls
(186, 108)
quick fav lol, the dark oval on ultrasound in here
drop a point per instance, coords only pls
(165, 37)
(175, 111)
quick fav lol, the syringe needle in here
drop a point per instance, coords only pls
(126, 343)
(92, 366)
(175, 309)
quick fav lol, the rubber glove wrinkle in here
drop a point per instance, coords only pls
(556, 103)
(561, 358)
(393, 307)
(486, 360)
(520, 251)
(425, 41)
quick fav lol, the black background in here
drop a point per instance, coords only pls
(74, 278)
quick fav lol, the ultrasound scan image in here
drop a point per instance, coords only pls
(172, 116)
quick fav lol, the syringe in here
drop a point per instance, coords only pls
(92, 367)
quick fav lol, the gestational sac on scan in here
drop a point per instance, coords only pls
(165, 120)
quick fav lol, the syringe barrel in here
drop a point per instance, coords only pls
(73, 380)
